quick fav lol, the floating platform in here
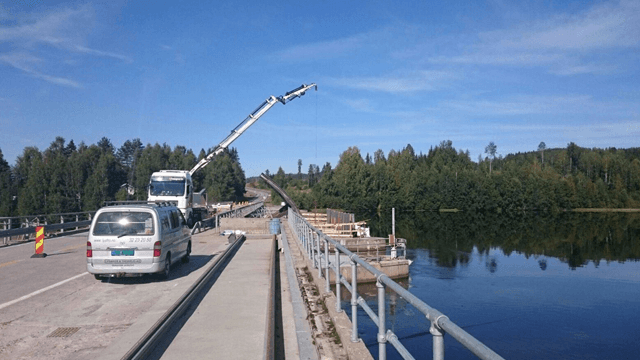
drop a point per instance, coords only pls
(354, 236)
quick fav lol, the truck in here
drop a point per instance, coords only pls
(176, 186)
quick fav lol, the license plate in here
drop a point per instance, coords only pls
(127, 252)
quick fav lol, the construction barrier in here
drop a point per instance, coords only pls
(39, 242)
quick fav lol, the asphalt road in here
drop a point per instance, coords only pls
(51, 308)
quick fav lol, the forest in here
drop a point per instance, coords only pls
(68, 178)
(446, 179)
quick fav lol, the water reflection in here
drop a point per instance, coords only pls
(575, 238)
(506, 280)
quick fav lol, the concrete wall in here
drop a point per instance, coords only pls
(248, 225)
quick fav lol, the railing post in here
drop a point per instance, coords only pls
(77, 221)
(61, 222)
(317, 237)
(326, 265)
(312, 236)
(305, 235)
(338, 285)
(309, 243)
(438, 340)
(382, 319)
(354, 301)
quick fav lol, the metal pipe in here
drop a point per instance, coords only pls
(382, 339)
(438, 340)
(368, 310)
(326, 266)
(354, 301)
(338, 285)
(317, 241)
(393, 340)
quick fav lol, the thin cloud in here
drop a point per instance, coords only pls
(523, 105)
(323, 49)
(563, 43)
(86, 50)
(428, 80)
(381, 39)
(25, 62)
(604, 26)
(65, 29)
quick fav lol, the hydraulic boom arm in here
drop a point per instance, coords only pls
(252, 118)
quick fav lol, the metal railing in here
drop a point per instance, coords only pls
(26, 225)
(310, 239)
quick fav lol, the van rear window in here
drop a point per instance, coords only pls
(123, 223)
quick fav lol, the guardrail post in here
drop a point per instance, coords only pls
(338, 285)
(354, 301)
(309, 243)
(326, 265)
(438, 340)
(305, 235)
(382, 322)
(312, 237)
(317, 237)
(77, 221)
(61, 222)
(303, 230)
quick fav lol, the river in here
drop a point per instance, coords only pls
(565, 286)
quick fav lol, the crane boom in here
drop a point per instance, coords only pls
(250, 120)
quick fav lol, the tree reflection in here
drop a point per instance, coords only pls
(543, 264)
(492, 265)
(574, 238)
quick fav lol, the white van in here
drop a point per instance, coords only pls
(137, 239)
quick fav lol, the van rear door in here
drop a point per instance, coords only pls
(123, 240)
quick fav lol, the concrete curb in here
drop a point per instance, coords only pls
(356, 351)
(306, 348)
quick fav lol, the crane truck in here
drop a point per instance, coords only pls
(176, 186)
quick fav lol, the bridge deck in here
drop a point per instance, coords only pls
(230, 321)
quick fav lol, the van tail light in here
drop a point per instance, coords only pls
(157, 249)
(89, 250)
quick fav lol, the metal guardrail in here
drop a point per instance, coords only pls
(310, 237)
(26, 225)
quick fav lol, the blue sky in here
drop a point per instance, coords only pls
(389, 73)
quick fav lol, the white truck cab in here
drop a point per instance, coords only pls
(173, 186)
(137, 240)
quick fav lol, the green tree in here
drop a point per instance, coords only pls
(6, 198)
(542, 147)
(491, 151)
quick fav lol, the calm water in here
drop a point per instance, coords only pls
(562, 287)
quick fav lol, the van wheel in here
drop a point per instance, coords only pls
(98, 277)
(187, 256)
(164, 275)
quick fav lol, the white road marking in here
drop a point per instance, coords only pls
(40, 291)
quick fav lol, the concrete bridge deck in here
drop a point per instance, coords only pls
(230, 320)
(103, 319)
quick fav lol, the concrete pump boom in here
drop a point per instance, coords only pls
(252, 118)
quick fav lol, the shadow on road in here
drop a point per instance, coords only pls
(178, 270)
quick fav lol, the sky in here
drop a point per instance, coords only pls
(389, 73)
